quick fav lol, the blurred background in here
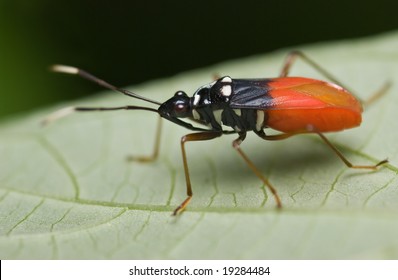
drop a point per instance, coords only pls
(128, 42)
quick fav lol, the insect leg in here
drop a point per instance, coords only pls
(323, 137)
(377, 95)
(292, 56)
(275, 137)
(69, 110)
(199, 136)
(345, 160)
(236, 144)
(156, 147)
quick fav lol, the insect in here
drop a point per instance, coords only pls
(290, 105)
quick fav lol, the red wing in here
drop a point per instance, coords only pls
(302, 104)
(291, 93)
(302, 93)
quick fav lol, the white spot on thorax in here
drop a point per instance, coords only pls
(226, 79)
(218, 117)
(226, 90)
(259, 120)
(196, 99)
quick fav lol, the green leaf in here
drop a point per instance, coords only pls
(66, 190)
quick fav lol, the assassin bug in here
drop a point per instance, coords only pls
(291, 105)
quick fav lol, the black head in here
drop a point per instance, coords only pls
(179, 106)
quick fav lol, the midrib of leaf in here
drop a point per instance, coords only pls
(168, 209)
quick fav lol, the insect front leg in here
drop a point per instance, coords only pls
(70, 110)
(156, 147)
(199, 136)
(236, 144)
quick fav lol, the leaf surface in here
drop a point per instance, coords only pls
(67, 191)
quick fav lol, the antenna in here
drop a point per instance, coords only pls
(76, 71)
(69, 110)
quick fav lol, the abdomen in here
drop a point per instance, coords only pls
(320, 119)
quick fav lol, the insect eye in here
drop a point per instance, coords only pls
(181, 107)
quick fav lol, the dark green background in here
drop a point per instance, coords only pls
(128, 42)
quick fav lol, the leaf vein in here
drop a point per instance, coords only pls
(62, 162)
(26, 217)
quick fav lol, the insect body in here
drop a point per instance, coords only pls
(291, 105)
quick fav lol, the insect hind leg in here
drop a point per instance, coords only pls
(282, 136)
(345, 160)
(292, 57)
